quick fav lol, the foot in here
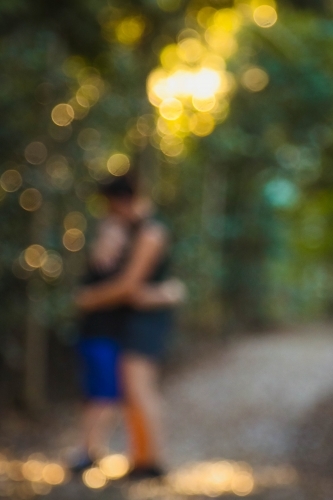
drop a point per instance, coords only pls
(139, 473)
(82, 464)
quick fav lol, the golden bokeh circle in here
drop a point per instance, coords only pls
(172, 146)
(35, 153)
(94, 478)
(202, 124)
(33, 255)
(11, 180)
(52, 264)
(114, 466)
(53, 474)
(255, 79)
(204, 105)
(62, 114)
(75, 220)
(31, 199)
(265, 16)
(73, 240)
(171, 108)
(118, 164)
(32, 470)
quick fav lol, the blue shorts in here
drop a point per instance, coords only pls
(100, 368)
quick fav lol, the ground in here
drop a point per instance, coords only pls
(258, 411)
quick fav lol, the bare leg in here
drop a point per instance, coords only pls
(143, 409)
(97, 419)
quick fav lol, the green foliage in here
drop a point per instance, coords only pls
(250, 203)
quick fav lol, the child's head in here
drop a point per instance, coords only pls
(121, 193)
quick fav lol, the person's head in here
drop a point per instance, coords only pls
(121, 193)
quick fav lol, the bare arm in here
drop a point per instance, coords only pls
(147, 251)
(166, 294)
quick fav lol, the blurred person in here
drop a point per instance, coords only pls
(126, 304)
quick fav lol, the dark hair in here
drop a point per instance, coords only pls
(119, 187)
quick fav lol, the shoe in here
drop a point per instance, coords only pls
(83, 464)
(148, 472)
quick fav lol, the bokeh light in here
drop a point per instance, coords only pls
(265, 16)
(227, 20)
(172, 145)
(205, 16)
(130, 30)
(11, 180)
(114, 466)
(190, 50)
(35, 153)
(53, 474)
(87, 95)
(255, 79)
(171, 108)
(58, 169)
(62, 114)
(202, 124)
(73, 240)
(204, 104)
(221, 41)
(242, 483)
(33, 470)
(31, 200)
(118, 164)
(14, 470)
(169, 56)
(89, 75)
(94, 478)
(34, 255)
(52, 264)
(75, 220)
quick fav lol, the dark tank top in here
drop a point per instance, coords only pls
(111, 321)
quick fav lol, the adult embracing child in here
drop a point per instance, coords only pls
(126, 308)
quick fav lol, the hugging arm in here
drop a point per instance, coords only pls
(148, 249)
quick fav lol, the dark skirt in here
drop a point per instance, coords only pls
(147, 333)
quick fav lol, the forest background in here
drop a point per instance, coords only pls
(227, 106)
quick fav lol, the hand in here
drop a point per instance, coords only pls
(84, 299)
(175, 291)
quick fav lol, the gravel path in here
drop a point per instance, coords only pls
(266, 400)
(245, 403)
